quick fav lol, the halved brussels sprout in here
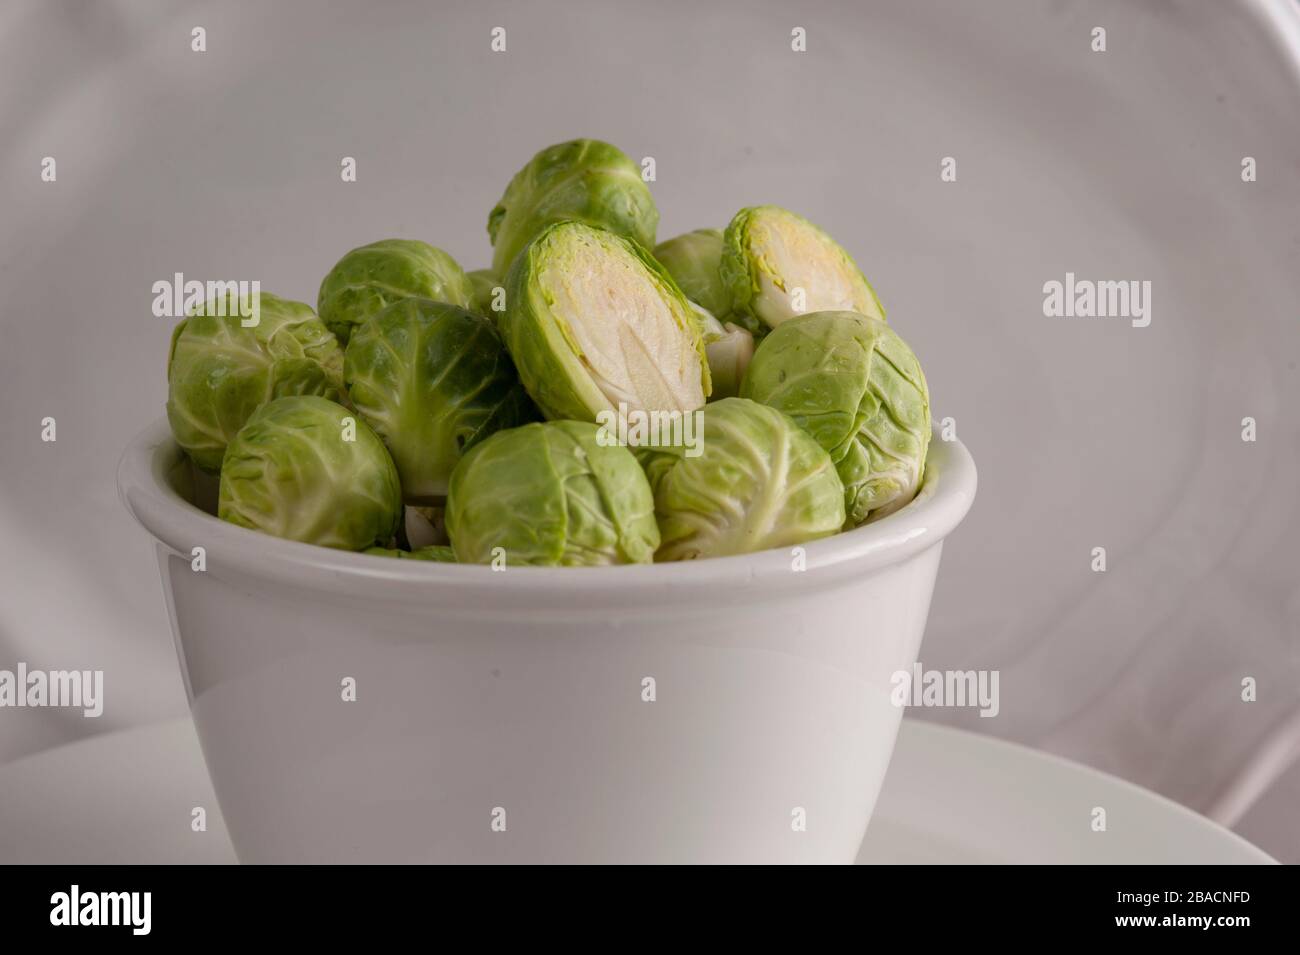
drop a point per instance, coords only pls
(433, 380)
(584, 180)
(307, 469)
(728, 348)
(856, 387)
(435, 552)
(592, 321)
(375, 276)
(483, 284)
(769, 253)
(219, 372)
(551, 494)
(758, 482)
(694, 260)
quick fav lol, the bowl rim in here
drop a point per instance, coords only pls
(946, 495)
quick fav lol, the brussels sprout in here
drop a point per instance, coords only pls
(586, 180)
(432, 379)
(305, 468)
(484, 283)
(728, 349)
(758, 482)
(694, 260)
(219, 372)
(436, 552)
(856, 387)
(769, 252)
(374, 276)
(548, 494)
(593, 321)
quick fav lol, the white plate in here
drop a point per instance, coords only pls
(957, 797)
(950, 797)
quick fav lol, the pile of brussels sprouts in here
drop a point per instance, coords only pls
(423, 412)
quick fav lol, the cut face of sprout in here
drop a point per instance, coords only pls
(594, 322)
(623, 326)
(796, 255)
(778, 265)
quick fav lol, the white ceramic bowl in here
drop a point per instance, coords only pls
(518, 697)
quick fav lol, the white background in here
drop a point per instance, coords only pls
(1116, 165)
